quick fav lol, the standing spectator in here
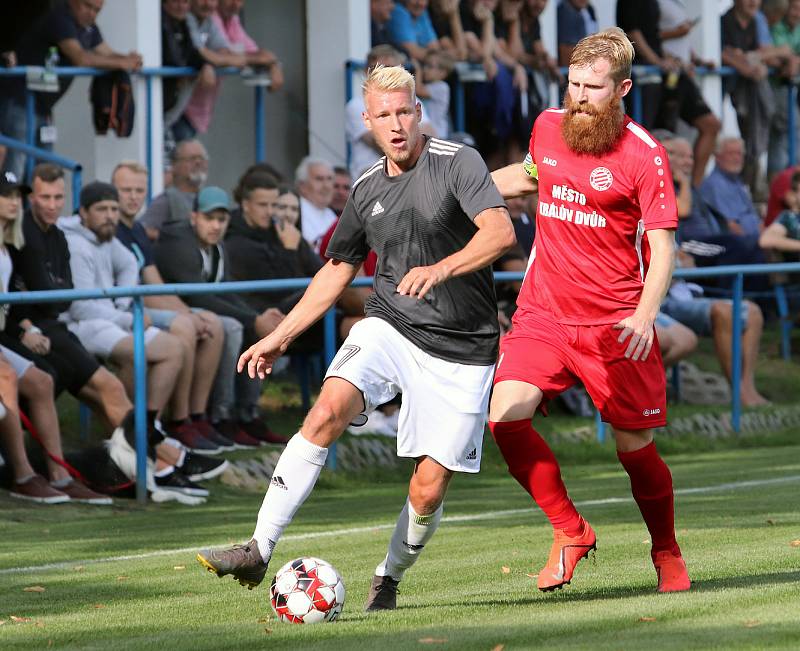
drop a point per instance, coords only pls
(751, 93)
(221, 39)
(681, 96)
(67, 32)
(175, 204)
(640, 21)
(411, 29)
(576, 19)
(179, 50)
(200, 331)
(193, 252)
(446, 19)
(342, 184)
(785, 31)
(380, 12)
(314, 180)
(363, 150)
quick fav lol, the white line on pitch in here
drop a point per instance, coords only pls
(488, 515)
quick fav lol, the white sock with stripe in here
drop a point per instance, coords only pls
(410, 535)
(292, 481)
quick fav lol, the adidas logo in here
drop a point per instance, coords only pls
(277, 481)
(472, 455)
(377, 209)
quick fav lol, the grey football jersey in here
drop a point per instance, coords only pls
(416, 219)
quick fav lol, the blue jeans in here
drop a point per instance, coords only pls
(13, 121)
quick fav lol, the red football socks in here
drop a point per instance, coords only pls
(651, 485)
(532, 463)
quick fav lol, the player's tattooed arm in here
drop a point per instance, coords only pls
(517, 179)
(494, 237)
(639, 326)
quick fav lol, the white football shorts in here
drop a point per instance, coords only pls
(443, 413)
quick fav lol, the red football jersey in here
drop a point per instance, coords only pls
(590, 257)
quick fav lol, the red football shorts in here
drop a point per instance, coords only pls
(631, 395)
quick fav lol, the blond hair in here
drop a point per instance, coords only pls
(387, 78)
(12, 232)
(611, 44)
(132, 166)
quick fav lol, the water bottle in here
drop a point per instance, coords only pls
(52, 59)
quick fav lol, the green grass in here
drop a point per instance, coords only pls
(737, 542)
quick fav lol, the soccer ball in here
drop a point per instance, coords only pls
(307, 591)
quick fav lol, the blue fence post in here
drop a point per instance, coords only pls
(791, 123)
(140, 399)
(600, 426)
(330, 351)
(77, 184)
(148, 136)
(261, 132)
(736, 346)
(30, 130)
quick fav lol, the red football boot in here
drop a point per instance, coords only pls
(564, 556)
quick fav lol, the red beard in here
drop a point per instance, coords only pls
(595, 133)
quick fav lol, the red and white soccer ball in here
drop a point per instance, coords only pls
(307, 591)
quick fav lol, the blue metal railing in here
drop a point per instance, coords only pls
(140, 364)
(42, 154)
(147, 74)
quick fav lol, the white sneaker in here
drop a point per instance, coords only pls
(377, 423)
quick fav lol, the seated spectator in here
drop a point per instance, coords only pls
(725, 191)
(178, 49)
(105, 326)
(704, 231)
(434, 92)
(576, 20)
(35, 331)
(363, 150)
(714, 317)
(411, 29)
(193, 252)
(314, 180)
(287, 207)
(189, 174)
(200, 332)
(380, 12)
(18, 374)
(778, 191)
(342, 183)
(784, 233)
(675, 340)
(221, 40)
(751, 93)
(69, 29)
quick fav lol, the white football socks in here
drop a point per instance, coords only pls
(292, 480)
(410, 535)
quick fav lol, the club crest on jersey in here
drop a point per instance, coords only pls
(601, 179)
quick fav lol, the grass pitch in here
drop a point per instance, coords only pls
(125, 578)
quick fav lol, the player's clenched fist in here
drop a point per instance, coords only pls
(420, 280)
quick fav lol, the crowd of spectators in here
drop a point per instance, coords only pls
(195, 232)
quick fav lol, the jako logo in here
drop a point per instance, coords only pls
(651, 412)
(549, 161)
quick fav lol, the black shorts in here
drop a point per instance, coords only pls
(684, 101)
(68, 362)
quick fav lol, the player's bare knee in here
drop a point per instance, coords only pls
(425, 497)
(632, 440)
(324, 423)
